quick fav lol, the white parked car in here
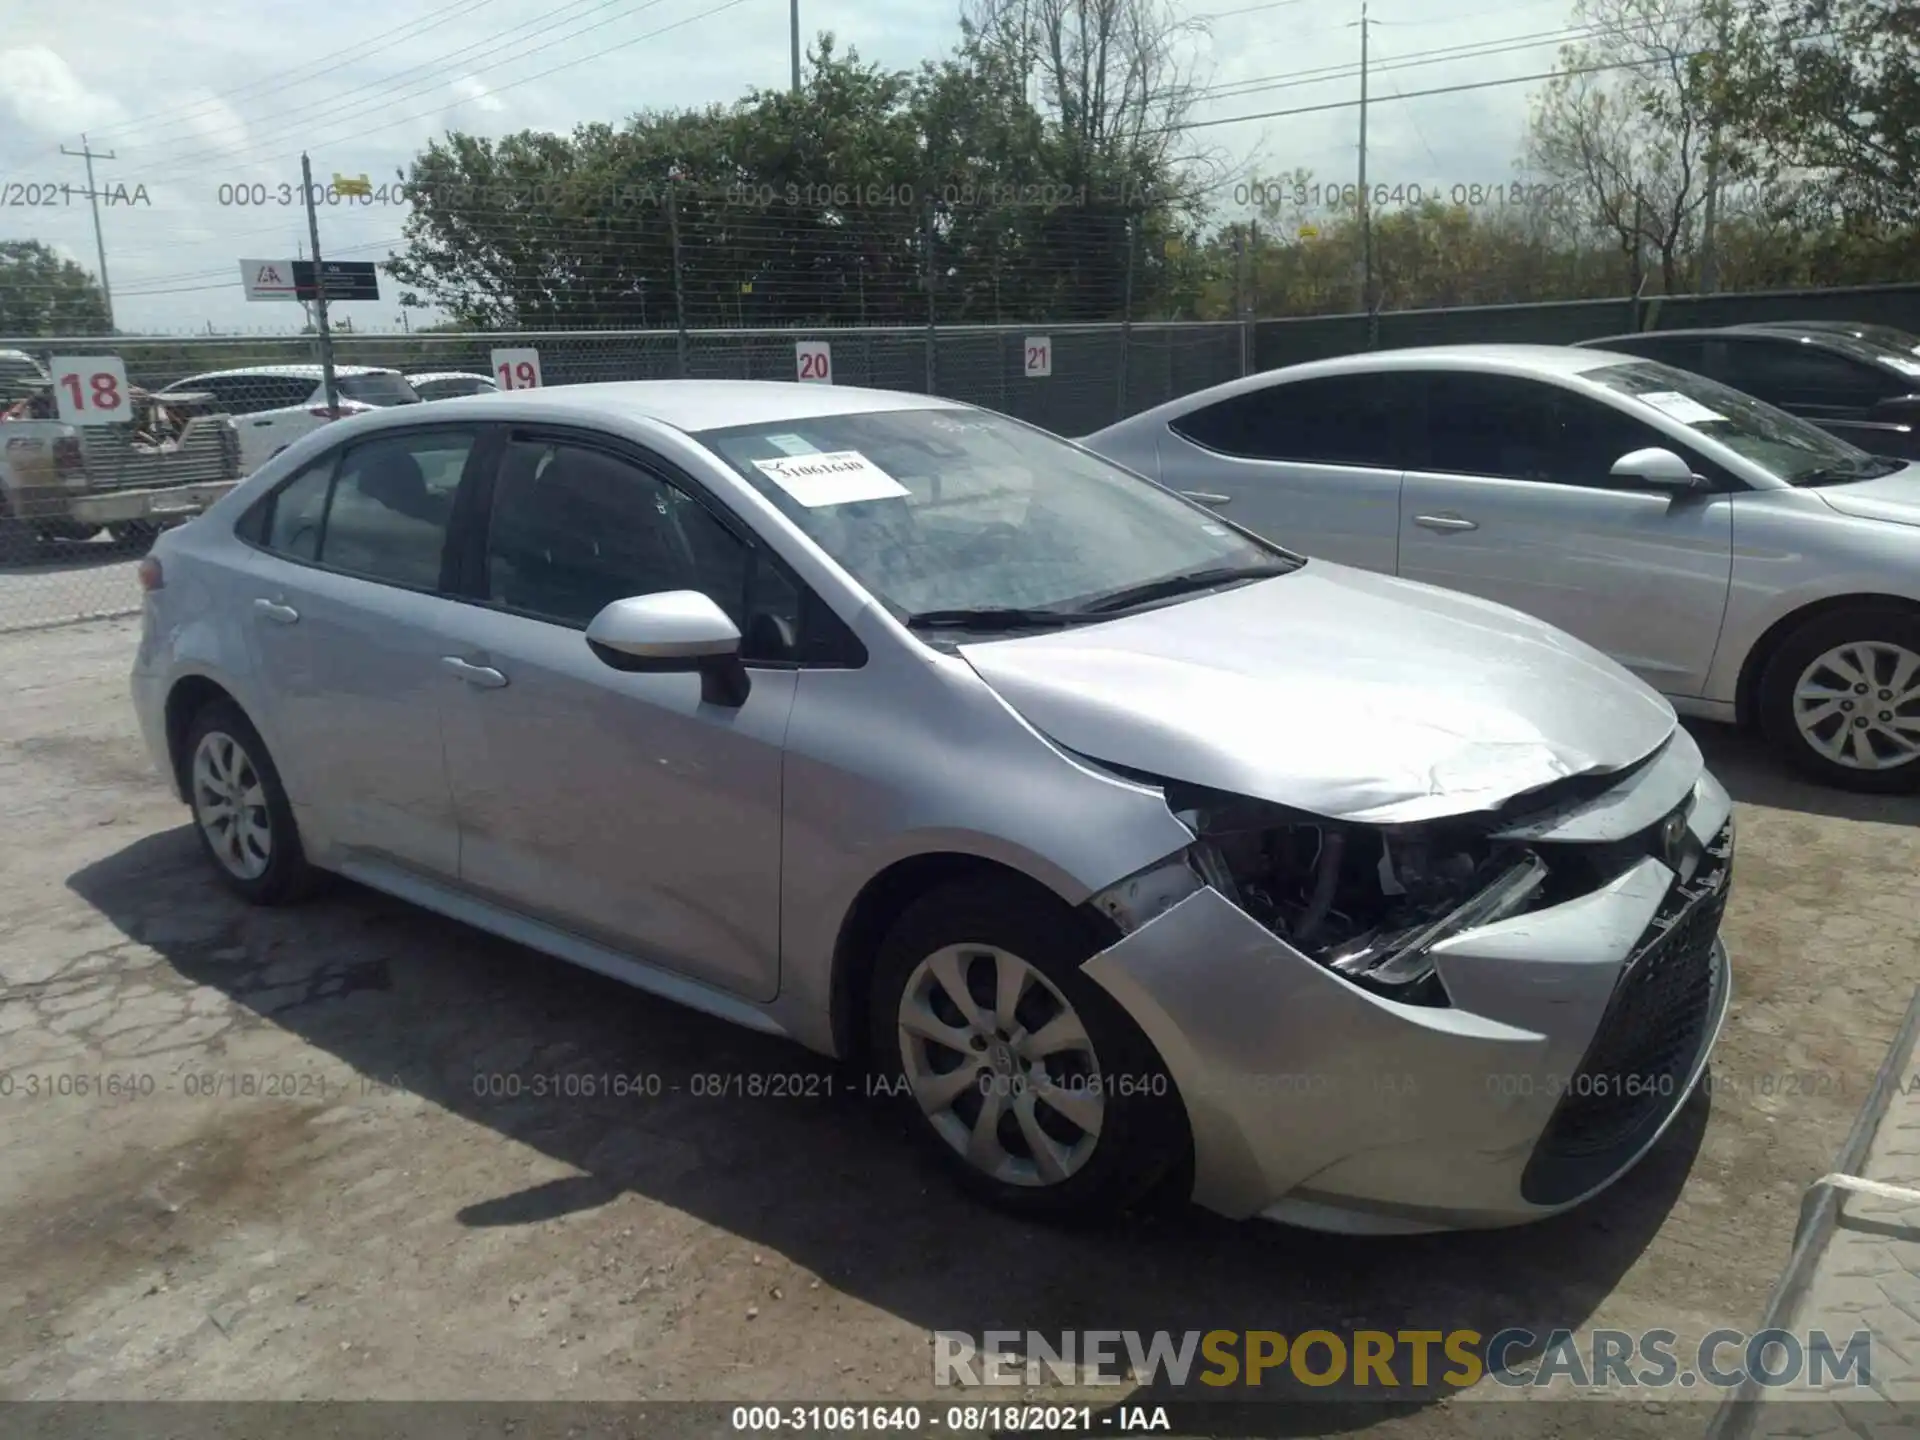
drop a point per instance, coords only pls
(445, 384)
(274, 405)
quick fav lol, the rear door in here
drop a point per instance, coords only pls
(348, 621)
(1509, 498)
(1312, 464)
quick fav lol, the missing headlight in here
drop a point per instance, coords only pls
(1370, 903)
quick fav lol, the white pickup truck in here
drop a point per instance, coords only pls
(67, 482)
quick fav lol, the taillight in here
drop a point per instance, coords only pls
(151, 577)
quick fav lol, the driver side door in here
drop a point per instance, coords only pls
(1509, 498)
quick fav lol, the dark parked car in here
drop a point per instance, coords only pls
(1859, 391)
(1888, 337)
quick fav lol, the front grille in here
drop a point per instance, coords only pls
(1636, 1068)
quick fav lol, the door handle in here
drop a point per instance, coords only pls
(1207, 497)
(1444, 522)
(261, 424)
(276, 612)
(483, 677)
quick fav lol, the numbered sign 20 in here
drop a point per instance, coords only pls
(91, 389)
(1039, 350)
(517, 369)
(813, 359)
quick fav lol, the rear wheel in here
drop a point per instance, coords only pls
(240, 808)
(1841, 698)
(1026, 1079)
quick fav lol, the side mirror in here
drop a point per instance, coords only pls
(674, 632)
(1658, 469)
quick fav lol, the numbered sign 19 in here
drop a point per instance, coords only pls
(91, 389)
(813, 359)
(516, 369)
(1039, 350)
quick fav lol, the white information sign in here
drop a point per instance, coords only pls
(91, 389)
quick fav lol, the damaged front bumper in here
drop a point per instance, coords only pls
(1572, 1036)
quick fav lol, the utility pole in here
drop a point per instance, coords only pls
(89, 154)
(319, 288)
(1366, 205)
(794, 7)
(1710, 220)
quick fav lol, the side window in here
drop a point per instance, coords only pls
(1778, 370)
(573, 529)
(392, 502)
(1683, 352)
(1517, 429)
(1337, 420)
(290, 518)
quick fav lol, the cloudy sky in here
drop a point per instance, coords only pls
(231, 100)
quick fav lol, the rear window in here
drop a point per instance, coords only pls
(382, 390)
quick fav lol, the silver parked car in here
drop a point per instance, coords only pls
(1747, 564)
(1127, 850)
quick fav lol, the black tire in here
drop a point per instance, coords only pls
(134, 534)
(18, 542)
(1856, 624)
(286, 876)
(1142, 1134)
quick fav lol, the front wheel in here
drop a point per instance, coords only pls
(134, 534)
(1026, 1079)
(1841, 699)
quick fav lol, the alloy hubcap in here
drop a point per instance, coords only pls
(1001, 1065)
(231, 805)
(1859, 705)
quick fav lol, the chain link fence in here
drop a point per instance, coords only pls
(83, 500)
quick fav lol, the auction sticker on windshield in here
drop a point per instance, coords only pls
(844, 477)
(1684, 408)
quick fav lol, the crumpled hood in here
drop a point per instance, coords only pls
(1346, 694)
(1894, 498)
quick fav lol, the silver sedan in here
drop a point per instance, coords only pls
(1750, 566)
(1124, 849)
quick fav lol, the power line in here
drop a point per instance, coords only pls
(434, 72)
(298, 74)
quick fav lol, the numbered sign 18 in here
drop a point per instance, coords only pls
(91, 389)
(813, 359)
(1039, 350)
(517, 369)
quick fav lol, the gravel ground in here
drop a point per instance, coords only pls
(311, 1192)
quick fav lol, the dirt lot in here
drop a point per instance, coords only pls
(313, 1199)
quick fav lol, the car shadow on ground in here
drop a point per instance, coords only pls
(834, 1184)
(1755, 774)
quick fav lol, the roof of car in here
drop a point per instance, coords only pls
(696, 405)
(293, 372)
(414, 377)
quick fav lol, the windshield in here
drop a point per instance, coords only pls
(382, 390)
(1785, 446)
(944, 511)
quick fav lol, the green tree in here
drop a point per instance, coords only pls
(42, 294)
(1830, 89)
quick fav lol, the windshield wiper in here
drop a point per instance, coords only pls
(1182, 584)
(1873, 469)
(994, 617)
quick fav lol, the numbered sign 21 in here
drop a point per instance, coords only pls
(1039, 350)
(517, 369)
(813, 359)
(91, 389)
